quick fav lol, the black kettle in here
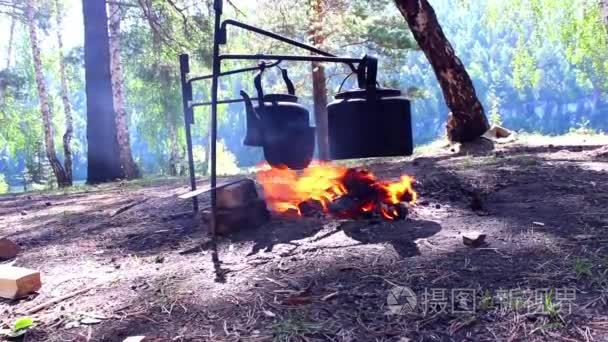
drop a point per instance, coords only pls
(280, 125)
(369, 121)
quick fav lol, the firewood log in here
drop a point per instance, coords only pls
(237, 194)
(16, 282)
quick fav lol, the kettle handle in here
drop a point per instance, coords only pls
(291, 90)
(367, 72)
(257, 81)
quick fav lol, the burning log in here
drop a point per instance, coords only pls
(339, 191)
(397, 211)
(310, 207)
(345, 207)
(360, 184)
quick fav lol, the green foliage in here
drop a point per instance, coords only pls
(573, 25)
(23, 323)
(226, 160)
(19, 328)
(582, 267)
(495, 117)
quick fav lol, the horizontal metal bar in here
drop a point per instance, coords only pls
(281, 38)
(232, 72)
(346, 60)
(197, 104)
(275, 36)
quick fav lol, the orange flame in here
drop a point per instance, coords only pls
(285, 189)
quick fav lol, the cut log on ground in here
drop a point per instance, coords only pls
(248, 216)
(17, 282)
(205, 189)
(8, 249)
(236, 194)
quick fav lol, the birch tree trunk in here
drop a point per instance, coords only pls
(467, 121)
(319, 81)
(65, 97)
(11, 37)
(103, 162)
(122, 128)
(45, 109)
(9, 52)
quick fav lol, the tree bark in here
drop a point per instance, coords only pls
(319, 81)
(165, 84)
(122, 128)
(103, 157)
(65, 97)
(9, 52)
(11, 36)
(45, 109)
(467, 120)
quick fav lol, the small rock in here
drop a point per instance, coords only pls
(159, 259)
(269, 313)
(437, 206)
(90, 321)
(424, 203)
(48, 204)
(8, 249)
(475, 240)
(23, 212)
(71, 325)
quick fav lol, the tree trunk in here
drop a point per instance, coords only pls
(11, 37)
(165, 84)
(9, 52)
(67, 107)
(319, 81)
(45, 109)
(103, 157)
(467, 121)
(122, 128)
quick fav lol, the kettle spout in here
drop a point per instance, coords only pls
(253, 135)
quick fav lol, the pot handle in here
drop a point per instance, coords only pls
(367, 72)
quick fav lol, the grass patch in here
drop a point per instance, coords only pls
(582, 268)
(294, 327)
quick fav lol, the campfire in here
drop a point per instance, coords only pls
(327, 189)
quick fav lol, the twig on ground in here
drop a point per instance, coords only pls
(51, 302)
(127, 207)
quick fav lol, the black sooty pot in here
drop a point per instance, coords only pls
(369, 121)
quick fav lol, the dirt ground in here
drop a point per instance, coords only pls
(541, 275)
